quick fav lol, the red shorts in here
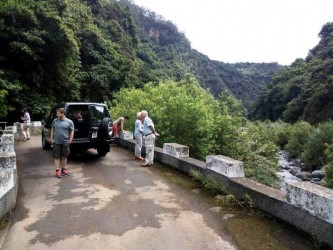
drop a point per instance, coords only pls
(115, 130)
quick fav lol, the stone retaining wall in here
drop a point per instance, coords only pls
(8, 170)
(302, 207)
(34, 129)
(8, 173)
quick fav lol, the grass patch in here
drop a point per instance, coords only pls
(208, 182)
(5, 221)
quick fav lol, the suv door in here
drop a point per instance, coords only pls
(101, 121)
(80, 116)
(46, 129)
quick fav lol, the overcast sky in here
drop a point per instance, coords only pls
(247, 30)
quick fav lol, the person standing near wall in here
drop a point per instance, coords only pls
(138, 136)
(62, 133)
(149, 134)
(26, 124)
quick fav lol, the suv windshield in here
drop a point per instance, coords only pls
(78, 112)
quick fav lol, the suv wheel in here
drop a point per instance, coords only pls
(105, 129)
(45, 144)
(102, 150)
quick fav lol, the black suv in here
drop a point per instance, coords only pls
(92, 126)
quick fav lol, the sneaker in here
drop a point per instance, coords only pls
(139, 158)
(146, 164)
(64, 171)
(25, 139)
(28, 139)
(58, 173)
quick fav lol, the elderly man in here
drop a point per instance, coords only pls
(149, 134)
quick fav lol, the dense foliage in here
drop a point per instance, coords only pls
(305, 89)
(312, 145)
(185, 113)
(52, 51)
(329, 166)
(316, 144)
(298, 137)
(80, 50)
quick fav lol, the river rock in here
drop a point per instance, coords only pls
(304, 167)
(318, 174)
(304, 176)
(285, 166)
(295, 170)
(315, 180)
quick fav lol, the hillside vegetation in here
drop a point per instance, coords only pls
(303, 91)
(80, 50)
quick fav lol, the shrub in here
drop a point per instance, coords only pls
(329, 167)
(182, 112)
(318, 141)
(281, 132)
(329, 175)
(254, 146)
(299, 133)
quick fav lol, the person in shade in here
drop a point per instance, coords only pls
(138, 130)
(62, 133)
(149, 134)
(26, 124)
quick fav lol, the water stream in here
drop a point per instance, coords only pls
(285, 164)
(293, 171)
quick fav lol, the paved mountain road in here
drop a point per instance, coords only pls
(106, 203)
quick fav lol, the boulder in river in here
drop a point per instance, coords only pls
(295, 170)
(318, 174)
(304, 176)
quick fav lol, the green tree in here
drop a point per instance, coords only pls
(182, 113)
(317, 143)
(299, 136)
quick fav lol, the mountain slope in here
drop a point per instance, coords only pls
(244, 80)
(305, 89)
(86, 50)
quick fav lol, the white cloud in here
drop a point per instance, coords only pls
(248, 30)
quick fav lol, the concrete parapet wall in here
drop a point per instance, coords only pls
(265, 198)
(127, 135)
(313, 198)
(8, 174)
(225, 165)
(176, 150)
